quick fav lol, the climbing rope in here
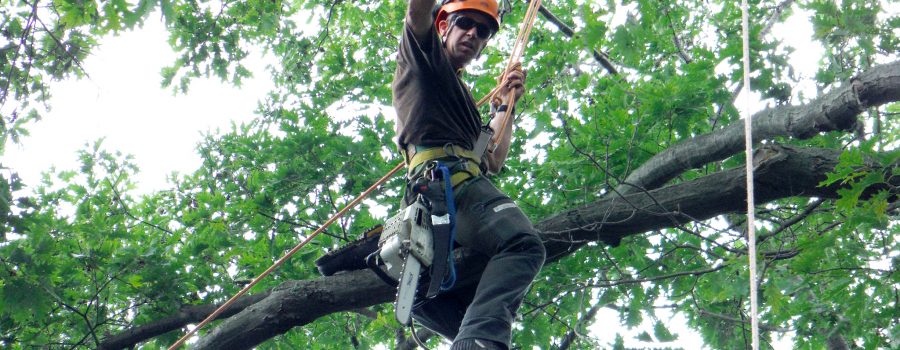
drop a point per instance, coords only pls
(515, 56)
(287, 256)
(517, 51)
(751, 205)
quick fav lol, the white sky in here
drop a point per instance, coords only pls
(123, 103)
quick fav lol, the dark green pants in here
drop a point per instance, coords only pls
(484, 305)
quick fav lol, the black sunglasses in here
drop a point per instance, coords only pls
(483, 31)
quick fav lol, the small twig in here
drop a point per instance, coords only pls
(26, 32)
(741, 321)
(866, 269)
(662, 277)
(76, 311)
(779, 9)
(770, 22)
(792, 221)
(327, 27)
(571, 335)
(63, 47)
(128, 213)
(599, 56)
(680, 48)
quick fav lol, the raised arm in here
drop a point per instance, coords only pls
(418, 15)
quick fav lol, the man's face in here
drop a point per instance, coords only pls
(463, 41)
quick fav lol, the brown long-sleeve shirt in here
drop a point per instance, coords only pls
(433, 105)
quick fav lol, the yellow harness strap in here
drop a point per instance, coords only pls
(423, 155)
(470, 168)
(470, 171)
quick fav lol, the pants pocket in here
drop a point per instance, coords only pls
(487, 218)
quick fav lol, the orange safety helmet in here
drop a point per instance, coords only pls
(488, 7)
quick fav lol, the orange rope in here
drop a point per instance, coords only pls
(287, 256)
(514, 58)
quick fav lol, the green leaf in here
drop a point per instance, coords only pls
(644, 336)
(136, 281)
(662, 334)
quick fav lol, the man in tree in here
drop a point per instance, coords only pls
(437, 116)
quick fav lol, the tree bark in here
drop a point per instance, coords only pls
(297, 303)
(186, 315)
(781, 172)
(837, 342)
(836, 110)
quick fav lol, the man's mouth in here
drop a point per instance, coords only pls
(467, 45)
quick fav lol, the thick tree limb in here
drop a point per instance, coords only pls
(297, 303)
(834, 111)
(781, 171)
(187, 315)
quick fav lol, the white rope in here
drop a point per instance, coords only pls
(748, 149)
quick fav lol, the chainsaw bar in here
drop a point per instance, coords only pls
(406, 291)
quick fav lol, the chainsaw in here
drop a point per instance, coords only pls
(416, 242)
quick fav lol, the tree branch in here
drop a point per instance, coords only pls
(186, 315)
(659, 278)
(572, 334)
(678, 45)
(774, 17)
(296, 303)
(792, 221)
(599, 56)
(834, 111)
(780, 172)
(766, 328)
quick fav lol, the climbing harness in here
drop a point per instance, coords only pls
(751, 205)
(470, 160)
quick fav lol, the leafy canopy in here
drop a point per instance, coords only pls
(83, 259)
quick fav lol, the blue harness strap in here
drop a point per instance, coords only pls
(450, 278)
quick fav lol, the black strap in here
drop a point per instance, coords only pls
(372, 263)
(438, 191)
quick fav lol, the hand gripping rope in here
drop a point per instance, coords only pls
(518, 50)
(514, 59)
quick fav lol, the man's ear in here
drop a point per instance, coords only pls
(442, 27)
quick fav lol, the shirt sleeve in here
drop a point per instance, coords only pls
(420, 56)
